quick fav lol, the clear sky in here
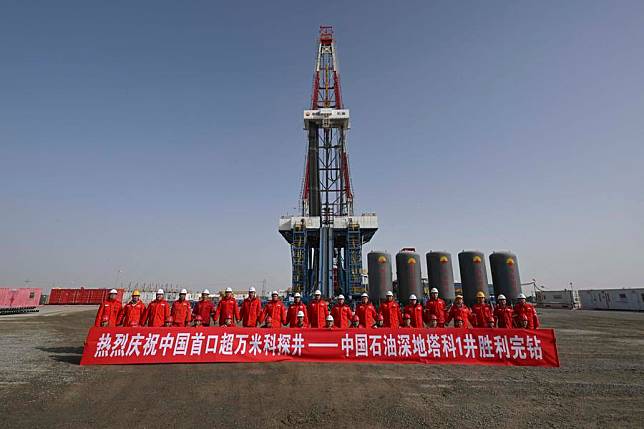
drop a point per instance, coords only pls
(164, 139)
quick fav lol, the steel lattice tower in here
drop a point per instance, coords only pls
(326, 239)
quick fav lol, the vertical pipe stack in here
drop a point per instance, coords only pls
(473, 275)
(441, 274)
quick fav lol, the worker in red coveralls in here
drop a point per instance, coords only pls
(251, 310)
(459, 310)
(433, 321)
(168, 322)
(390, 310)
(300, 321)
(503, 313)
(111, 308)
(522, 321)
(197, 322)
(227, 306)
(523, 308)
(435, 306)
(132, 312)
(406, 321)
(318, 310)
(294, 309)
(181, 310)
(341, 313)
(355, 321)
(158, 311)
(204, 308)
(481, 311)
(415, 311)
(366, 312)
(329, 322)
(275, 310)
(268, 321)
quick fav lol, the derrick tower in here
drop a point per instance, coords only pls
(326, 238)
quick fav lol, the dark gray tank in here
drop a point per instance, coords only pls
(409, 277)
(505, 274)
(473, 275)
(441, 274)
(379, 270)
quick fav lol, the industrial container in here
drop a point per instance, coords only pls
(440, 274)
(379, 272)
(19, 297)
(612, 299)
(505, 274)
(557, 298)
(408, 275)
(81, 296)
(471, 265)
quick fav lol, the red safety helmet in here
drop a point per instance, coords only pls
(524, 317)
(105, 319)
(381, 317)
(268, 319)
(199, 318)
(433, 317)
(169, 319)
(490, 319)
(355, 318)
(134, 324)
(407, 316)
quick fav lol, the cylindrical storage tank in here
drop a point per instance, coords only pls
(409, 277)
(471, 264)
(505, 274)
(441, 274)
(379, 271)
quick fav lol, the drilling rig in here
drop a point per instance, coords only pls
(326, 237)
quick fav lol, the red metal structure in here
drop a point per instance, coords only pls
(19, 300)
(81, 296)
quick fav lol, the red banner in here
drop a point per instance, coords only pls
(521, 347)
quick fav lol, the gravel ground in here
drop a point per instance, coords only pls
(600, 384)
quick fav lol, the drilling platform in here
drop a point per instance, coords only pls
(326, 238)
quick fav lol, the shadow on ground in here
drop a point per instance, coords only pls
(71, 355)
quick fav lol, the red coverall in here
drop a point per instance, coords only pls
(503, 316)
(482, 313)
(463, 313)
(132, 312)
(341, 315)
(318, 311)
(291, 315)
(181, 313)
(250, 312)
(437, 308)
(108, 308)
(205, 309)
(227, 306)
(367, 314)
(157, 312)
(529, 311)
(277, 311)
(390, 310)
(416, 313)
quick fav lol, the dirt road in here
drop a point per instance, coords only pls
(600, 384)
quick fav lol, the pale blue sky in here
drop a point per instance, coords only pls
(165, 138)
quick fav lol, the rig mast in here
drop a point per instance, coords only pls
(326, 239)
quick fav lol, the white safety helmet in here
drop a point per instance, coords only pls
(297, 295)
(389, 293)
(113, 291)
(364, 294)
(229, 289)
(317, 292)
(300, 313)
(251, 289)
(160, 292)
(340, 296)
(521, 296)
(274, 293)
(500, 297)
(205, 292)
(329, 318)
(183, 291)
(434, 290)
(412, 296)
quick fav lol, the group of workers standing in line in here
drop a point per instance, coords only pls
(275, 314)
